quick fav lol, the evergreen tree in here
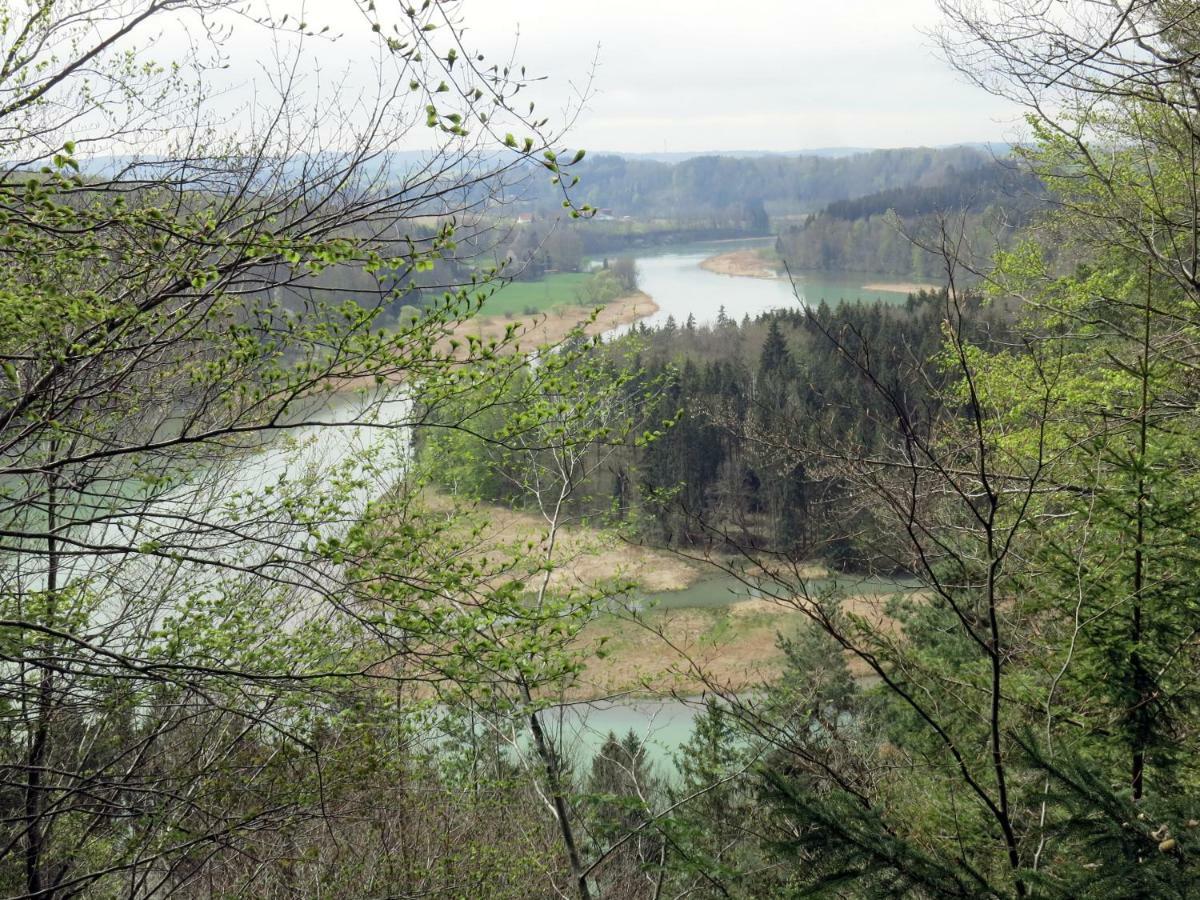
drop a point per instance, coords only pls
(619, 789)
(776, 359)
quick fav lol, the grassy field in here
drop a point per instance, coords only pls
(528, 297)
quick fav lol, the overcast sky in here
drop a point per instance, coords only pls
(691, 75)
(684, 75)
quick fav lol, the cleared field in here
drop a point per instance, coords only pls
(526, 297)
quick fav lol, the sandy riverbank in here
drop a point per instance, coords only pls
(532, 331)
(900, 287)
(656, 651)
(742, 263)
(551, 327)
(751, 264)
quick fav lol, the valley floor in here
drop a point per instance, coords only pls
(659, 645)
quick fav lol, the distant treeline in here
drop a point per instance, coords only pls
(875, 233)
(974, 190)
(720, 190)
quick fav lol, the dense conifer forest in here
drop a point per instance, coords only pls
(734, 392)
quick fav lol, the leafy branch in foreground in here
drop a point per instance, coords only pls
(214, 567)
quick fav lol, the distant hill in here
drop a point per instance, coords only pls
(997, 149)
(992, 203)
(683, 155)
(724, 188)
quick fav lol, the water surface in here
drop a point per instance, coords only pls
(722, 589)
(674, 279)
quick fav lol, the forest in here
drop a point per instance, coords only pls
(711, 186)
(717, 477)
(327, 569)
(900, 231)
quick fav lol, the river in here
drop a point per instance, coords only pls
(674, 279)
(680, 287)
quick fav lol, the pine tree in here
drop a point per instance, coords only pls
(776, 359)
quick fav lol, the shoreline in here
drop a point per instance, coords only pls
(740, 264)
(552, 326)
(750, 264)
(548, 327)
(900, 287)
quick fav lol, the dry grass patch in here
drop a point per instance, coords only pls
(662, 651)
(686, 651)
(583, 556)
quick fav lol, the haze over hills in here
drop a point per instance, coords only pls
(720, 188)
(999, 148)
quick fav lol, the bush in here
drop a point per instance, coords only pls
(625, 271)
(603, 287)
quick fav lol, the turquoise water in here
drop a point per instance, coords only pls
(723, 589)
(663, 725)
